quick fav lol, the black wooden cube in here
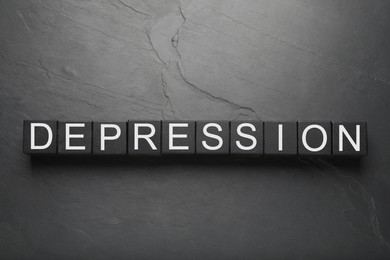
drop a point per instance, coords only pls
(75, 137)
(40, 137)
(280, 138)
(246, 137)
(144, 138)
(178, 137)
(109, 138)
(315, 138)
(349, 138)
(212, 137)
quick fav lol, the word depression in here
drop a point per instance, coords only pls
(196, 137)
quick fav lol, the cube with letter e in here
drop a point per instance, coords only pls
(178, 137)
(75, 137)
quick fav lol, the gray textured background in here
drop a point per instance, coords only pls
(266, 59)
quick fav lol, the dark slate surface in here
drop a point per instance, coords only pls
(119, 60)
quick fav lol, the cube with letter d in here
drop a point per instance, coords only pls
(39, 137)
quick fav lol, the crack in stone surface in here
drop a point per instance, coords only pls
(178, 70)
(45, 69)
(133, 9)
(166, 95)
(211, 96)
(24, 21)
(148, 32)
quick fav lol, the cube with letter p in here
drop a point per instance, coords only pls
(109, 137)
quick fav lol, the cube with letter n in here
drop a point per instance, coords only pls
(349, 138)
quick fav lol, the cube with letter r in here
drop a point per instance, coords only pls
(144, 138)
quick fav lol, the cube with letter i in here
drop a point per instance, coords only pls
(281, 138)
